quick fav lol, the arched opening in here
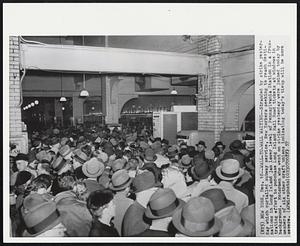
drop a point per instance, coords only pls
(249, 121)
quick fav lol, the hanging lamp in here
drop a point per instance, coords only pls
(84, 92)
(62, 98)
(174, 91)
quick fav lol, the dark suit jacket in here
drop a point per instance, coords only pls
(101, 230)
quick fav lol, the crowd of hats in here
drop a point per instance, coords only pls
(120, 159)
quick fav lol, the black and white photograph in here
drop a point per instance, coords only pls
(171, 136)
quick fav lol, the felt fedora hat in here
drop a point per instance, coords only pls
(118, 164)
(185, 161)
(120, 180)
(201, 143)
(218, 198)
(163, 203)
(172, 152)
(201, 170)
(80, 156)
(59, 163)
(93, 168)
(39, 215)
(150, 166)
(22, 157)
(150, 155)
(143, 181)
(229, 169)
(197, 218)
(64, 150)
(236, 145)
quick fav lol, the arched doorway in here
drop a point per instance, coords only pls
(249, 122)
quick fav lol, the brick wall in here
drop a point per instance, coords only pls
(15, 126)
(211, 98)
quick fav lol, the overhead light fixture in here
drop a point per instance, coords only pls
(84, 92)
(174, 92)
(29, 106)
(36, 102)
(32, 104)
(62, 98)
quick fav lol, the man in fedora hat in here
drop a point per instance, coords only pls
(79, 158)
(143, 186)
(93, 169)
(150, 156)
(229, 172)
(120, 184)
(161, 206)
(232, 223)
(201, 174)
(74, 213)
(102, 207)
(201, 146)
(197, 219)
(41, 217)
(21, 161)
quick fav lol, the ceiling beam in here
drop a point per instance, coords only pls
(71, 58)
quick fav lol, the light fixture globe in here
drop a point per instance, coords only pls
(84, 93)
(36, 102)
(32, 104)
(174, 92)
(62, 99)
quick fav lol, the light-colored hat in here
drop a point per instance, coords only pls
(234, 225)
(101, 155)
(163, 203)
(229, 169)
(93, 168)
(209, 154)
(64, 150)
(185, 161)
(118, 164)
(150, 155)
(120, 180)
(80, 156)
(197, 218)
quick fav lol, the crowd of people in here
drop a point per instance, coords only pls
(97, 182)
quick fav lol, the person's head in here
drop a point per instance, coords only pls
(43, 168)
(21, 161)
(197, 218)
(41, 217)
(23, 179)
(201, 146)
(216, 150)
(41, 184)
(120, 181)
(100, 204)
(229, 170)
(163, 203)
(220, 146)
(65, 182)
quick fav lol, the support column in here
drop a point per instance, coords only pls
(16, 136)
(211, 94)
(77, 109)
